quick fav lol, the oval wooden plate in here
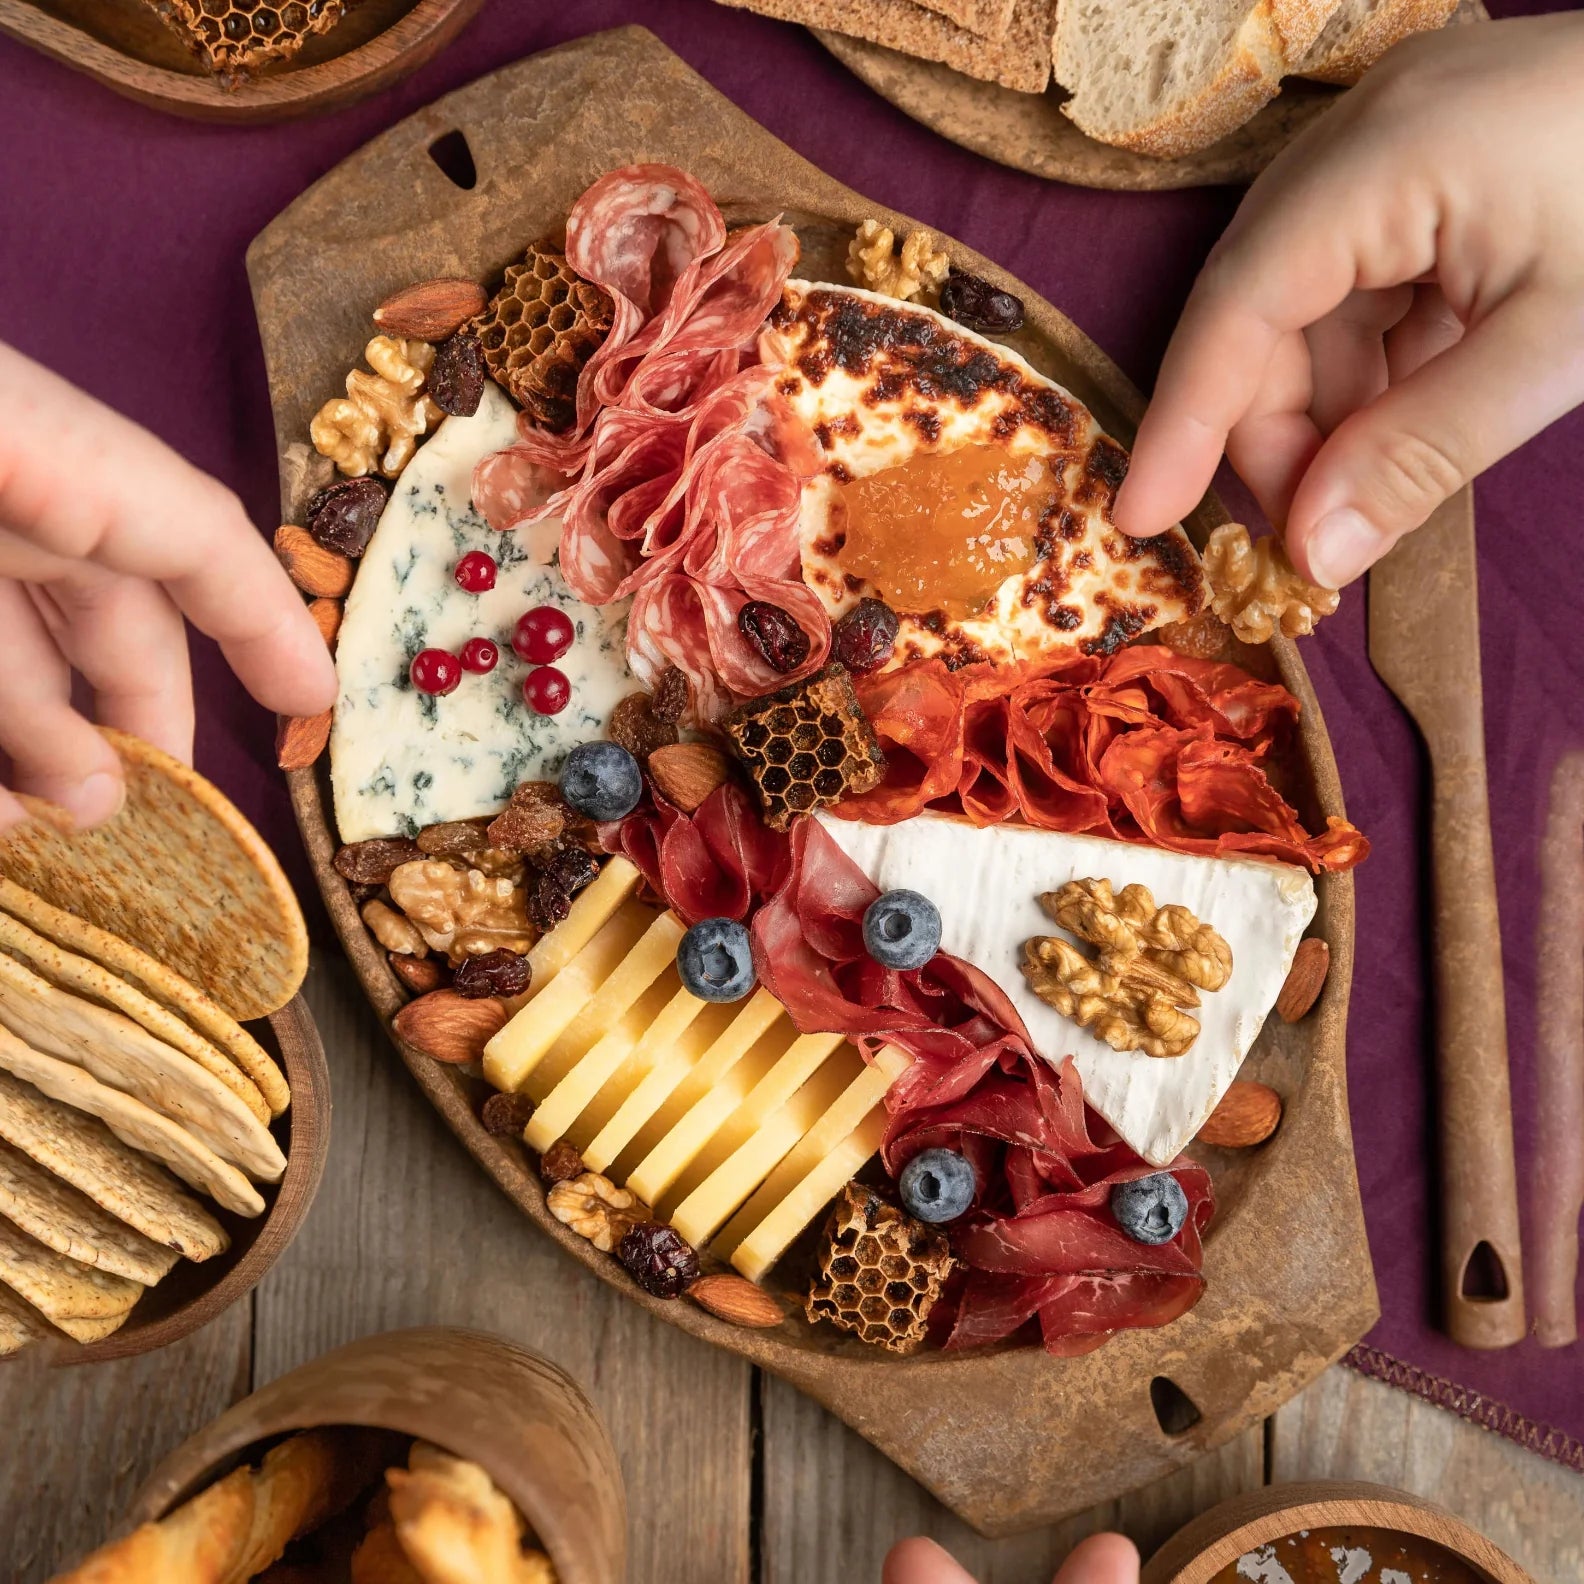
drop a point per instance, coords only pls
(1289, 1289)
(126, 46)
(193, 1295)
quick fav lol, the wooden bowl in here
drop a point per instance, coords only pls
(1288, 1291)
(515, 1414)
(1196, 1553)
(126, 46)
(194, 1294)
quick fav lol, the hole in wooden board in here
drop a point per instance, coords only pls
(1175, 1411)
(451, 153)
(1485, 1277)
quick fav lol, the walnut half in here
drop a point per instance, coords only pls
(1256, 590)
(596, 1209)
(462, 912)
(376, 424)
(873, 262)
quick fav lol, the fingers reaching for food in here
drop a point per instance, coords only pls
(1101, 1559)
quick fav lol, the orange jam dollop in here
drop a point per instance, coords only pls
(944, 530)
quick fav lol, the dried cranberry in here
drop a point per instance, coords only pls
(973, 301)
(864, 638)
(344, 515)
(775, 634)
(659, 1259)
(570, 867)
(547, 900)
(669, 701)
(496, 973)
(506, 1115)
(456, 377)
(560, 1163)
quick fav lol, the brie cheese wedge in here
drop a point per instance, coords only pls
(986, 881)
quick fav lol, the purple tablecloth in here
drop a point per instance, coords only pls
(122, 235)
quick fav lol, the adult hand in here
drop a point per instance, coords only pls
(1101, 1559)
(1398, 303)
(107, 539)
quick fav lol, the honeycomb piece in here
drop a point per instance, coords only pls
(880, 1271)
(806, 745)
(539, 330)
(233, 37)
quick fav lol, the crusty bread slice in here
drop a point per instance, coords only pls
(988, 18)
(1170, 79)
(1361, 31)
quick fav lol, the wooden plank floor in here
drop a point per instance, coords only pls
(407, 1230)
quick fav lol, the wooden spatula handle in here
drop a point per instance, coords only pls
(1479, 1183)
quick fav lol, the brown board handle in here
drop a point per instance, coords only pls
(1481, 1256)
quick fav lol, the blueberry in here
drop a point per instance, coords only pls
(715, 960)
(902, 929)
(937, 1185)
(1150, 1209)
(601, 780)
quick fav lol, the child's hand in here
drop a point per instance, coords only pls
(107, 539)
(1398, 303)
(1101, 1559)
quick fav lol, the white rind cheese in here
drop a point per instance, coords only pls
(401, 759)
(986, 883)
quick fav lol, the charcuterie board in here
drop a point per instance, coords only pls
(1289, 1286)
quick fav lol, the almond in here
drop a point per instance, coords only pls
(300, 739)
(419, 974)
(449, 1027)
(1305, 979)
(686, 773)
(326, 574)
(1248, 1114)
(737, 1301)
(431, 310)
(327, 618)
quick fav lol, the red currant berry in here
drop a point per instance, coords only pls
(475, 572)
(547, 691)
(542, 635)
(479, 654)
(436, 671)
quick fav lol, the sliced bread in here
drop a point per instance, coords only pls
(988, 18)
(1361, 31)
(1170, 80)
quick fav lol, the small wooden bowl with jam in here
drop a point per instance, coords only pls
(1330, 1532)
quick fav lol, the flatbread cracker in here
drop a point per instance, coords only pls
(179, 872)
(72, 1224)
(133, 1123)
(82, 976)
(159, 983)
(19, 1324)
(87, 1304)
(80, 1150)
(127, 1057)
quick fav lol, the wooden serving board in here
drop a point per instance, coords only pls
(1007, 1438)
(128, 48)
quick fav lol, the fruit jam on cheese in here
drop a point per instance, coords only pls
(1348, 1556)
(943, 531)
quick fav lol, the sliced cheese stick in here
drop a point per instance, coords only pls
(133, 1123)
(116, 1051)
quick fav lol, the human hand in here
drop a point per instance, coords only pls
(107, 539)
(1398, 303)
(1101, 1559)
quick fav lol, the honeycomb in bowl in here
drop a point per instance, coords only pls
(233, 37)
(539, 330)
(806, 746)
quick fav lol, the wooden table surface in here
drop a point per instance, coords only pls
(731, 1476)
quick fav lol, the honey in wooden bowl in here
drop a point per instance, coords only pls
(1348, 1556)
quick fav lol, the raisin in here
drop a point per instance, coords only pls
(496, 973)
(547, 901)
(659, 1259)
(865, 637)
(636, 727)
(560, 1163)
(534, 817)
(374, 862)
(506, 1115)
(671, 696)
(344, 515)
(454, 838)
(570, 867)
(775, 634)
(456, 377)
(973, 301)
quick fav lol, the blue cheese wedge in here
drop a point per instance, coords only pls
(401, 759)
(987, 882)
